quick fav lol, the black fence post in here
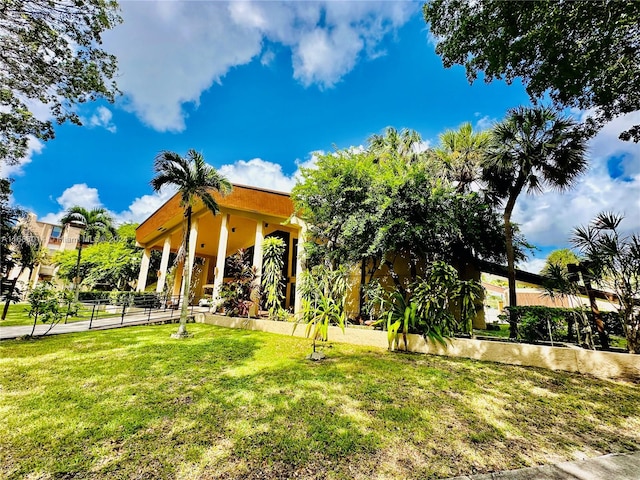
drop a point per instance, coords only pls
(92, 312)
(124, 307)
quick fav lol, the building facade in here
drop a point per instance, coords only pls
(247, 216)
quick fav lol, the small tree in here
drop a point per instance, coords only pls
(614, 260)
(273, 249)
(46, 305)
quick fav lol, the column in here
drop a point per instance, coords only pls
(221, 256)
(164, 263)
(193, 241)
(257, 263)
(144, 270)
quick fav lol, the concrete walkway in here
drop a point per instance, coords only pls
(160, 316)
(607, 467)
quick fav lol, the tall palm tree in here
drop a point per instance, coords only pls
(532, 148)
(95, 224)
(462, 151)
(195, 180)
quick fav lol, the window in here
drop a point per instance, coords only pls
(56, 232)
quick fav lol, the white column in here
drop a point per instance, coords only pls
(193, 241)
(302, 235)
(164, 263)
(221, 256)
(257, 250)
(144, 270)
(257, 263)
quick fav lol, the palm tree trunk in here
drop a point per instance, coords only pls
(186, 278)
(511, 268)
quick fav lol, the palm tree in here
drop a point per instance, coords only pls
(403, 144)
(530, 149)
(95, 223)
(462, 151)
(195, 180)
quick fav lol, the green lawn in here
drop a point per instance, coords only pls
(233, 404)
(18, 315)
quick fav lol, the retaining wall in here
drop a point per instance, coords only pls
(598, 364)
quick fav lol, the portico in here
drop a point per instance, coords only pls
(246, 217)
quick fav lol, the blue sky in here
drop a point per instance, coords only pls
(258, 87)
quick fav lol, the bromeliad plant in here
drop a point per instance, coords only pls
(324, 293)
(236, 294)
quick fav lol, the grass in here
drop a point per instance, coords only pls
(18, 315)
(233, 404)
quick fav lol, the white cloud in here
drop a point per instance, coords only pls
(79, 194)
(102, 118)
(170, 52)
(548, 220)
(142, 207)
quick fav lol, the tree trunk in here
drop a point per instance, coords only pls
(10, 294)
(508, 236)
(186, 278)
(602, 333)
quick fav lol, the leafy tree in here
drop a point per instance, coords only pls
(461, 152)
(560, 258)
(25, 252)
(361, 209)
(112, 264)
(8, 217)
(273, 249)
(195, 181)
(51, 55)
(613, 258)
(582, 54)
(47, 305)
(530, 149)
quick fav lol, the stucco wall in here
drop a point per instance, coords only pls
(598, 364)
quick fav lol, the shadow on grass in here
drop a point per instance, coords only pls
(134, 403)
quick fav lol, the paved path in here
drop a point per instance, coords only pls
(160, 316)
(607, 467)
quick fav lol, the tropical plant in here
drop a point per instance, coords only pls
(324, 293)
(530, 149)
(236, 294)
(273, 249)
(613, 259)
(462, 151)
(195, 180)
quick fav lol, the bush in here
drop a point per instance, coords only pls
(533, 326)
